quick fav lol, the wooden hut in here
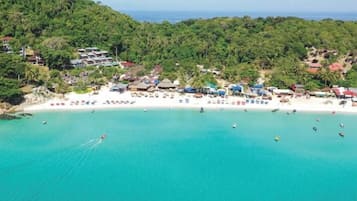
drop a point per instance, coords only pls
(166, 84)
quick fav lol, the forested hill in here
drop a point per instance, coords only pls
(79, 22)
(216, 42)
(239, 47)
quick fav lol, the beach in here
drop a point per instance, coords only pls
(105, 99)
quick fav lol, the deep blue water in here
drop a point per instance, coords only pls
(177, 16)
(178, 155)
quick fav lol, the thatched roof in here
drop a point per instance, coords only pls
(142, 86)
(166, 84)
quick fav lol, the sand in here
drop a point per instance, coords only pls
(145, 100)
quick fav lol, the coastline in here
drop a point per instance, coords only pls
(106, 100)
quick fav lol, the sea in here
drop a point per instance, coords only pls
(178, 155)
(178, 16)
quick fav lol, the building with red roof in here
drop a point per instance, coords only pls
(6, 39)
(314, 68)
(349, 94)
(126, 64)
(341, 92)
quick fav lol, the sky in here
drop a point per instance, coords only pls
(235, 5)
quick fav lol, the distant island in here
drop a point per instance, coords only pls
(66, 46)
(178, 16)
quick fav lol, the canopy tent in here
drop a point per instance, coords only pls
(189, 90)
(221, 92)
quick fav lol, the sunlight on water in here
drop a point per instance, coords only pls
(178, 155)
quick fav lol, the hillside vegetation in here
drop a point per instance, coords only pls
(240, 47)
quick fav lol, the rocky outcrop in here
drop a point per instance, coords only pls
(5, 116)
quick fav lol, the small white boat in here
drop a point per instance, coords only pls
(277, 138)
(342, 125)
(234, 125)
(44, 122)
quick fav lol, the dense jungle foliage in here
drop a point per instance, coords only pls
(239, 47)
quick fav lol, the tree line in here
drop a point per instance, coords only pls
(239, 47)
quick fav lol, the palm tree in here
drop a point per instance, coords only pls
(328, 76)
(31, 73)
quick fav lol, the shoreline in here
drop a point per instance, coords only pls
(106, 100)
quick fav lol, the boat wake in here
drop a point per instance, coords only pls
(92, 143)
(64, 164)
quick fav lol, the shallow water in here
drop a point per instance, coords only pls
(180, 155)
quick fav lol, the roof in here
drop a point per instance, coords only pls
(336, 67)
(338, 91)
(142, 85)
(76, 61)
(166, 83)
(119, 86)
(350, 93)
(127, 64)
(6, 38)
(315, 65)
(282, 91)
(313, 70)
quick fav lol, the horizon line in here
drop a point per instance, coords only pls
(238, 11)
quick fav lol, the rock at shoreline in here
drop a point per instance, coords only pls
(8, 117)
(26, 114)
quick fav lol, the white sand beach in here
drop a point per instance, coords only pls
(105, 99)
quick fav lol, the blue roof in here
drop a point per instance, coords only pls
(258, 86)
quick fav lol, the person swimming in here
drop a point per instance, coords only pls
(102, 137)
(314, 128)
(341, 134)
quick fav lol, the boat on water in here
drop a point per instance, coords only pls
(342, 125)
(234, 125)
(44, 122)
(277, 138)
(314, 128)
(102, 137)
(202, 110)
(275, 110)
(341, 134)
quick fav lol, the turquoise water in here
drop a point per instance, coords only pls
(178, 155)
